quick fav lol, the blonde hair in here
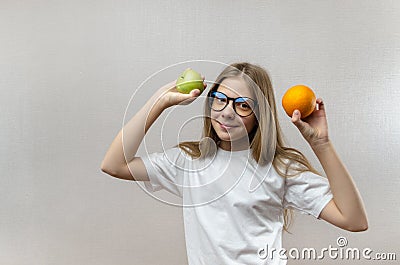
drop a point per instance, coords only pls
(266, 139)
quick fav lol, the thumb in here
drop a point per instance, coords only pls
(195, 92)
(296, 119)
(188, 98)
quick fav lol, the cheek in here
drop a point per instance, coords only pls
(214, 124)
(214, 115)
(249, 124)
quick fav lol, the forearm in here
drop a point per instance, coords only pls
(345, 193)
(125, 145)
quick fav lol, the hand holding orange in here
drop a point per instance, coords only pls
(299, 97)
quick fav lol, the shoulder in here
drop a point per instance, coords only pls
(169, 161)
(168, 156)
(176, 153)
(286, 167)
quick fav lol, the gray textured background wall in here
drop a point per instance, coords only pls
(69, 68)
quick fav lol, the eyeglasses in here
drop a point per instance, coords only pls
(243, 106)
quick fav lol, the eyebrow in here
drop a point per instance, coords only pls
(237, 95)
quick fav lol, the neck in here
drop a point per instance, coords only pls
(234, 146)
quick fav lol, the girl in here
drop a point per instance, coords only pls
(227, 220)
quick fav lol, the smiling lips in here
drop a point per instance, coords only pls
(227, 126)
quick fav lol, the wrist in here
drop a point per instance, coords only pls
(321, 145)
(159, 103)
(161, 97)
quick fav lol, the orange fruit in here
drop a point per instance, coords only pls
(299, 97)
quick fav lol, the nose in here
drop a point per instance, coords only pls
(228, 111)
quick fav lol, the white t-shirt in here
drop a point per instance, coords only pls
(233, 208)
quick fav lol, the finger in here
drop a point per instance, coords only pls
(296, 119)
(194, 92)
(187, 99)
(182, 99)
(321, 105)
(204, 83)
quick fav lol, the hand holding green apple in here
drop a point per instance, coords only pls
(182, 91)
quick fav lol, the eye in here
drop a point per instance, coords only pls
(219, 97)
(221, 100)
(244, 103)
(244, 106)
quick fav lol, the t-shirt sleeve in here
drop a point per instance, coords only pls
(165, 171)
(307, 192)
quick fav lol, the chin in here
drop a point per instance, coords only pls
(235, 134)
(223, 136)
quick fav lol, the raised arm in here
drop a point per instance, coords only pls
(346, 210)
(120, 160)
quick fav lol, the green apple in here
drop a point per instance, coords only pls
(188, 81)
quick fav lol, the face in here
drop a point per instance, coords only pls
(231, 128)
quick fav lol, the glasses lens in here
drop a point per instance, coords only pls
(217, 100)
(244, 106)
